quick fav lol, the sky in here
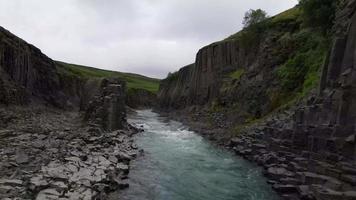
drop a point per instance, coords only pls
(149, 37)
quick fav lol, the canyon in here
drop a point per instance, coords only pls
(279, 94)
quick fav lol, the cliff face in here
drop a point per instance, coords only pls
(234, 72)
(175, 91)
(107, 105)
(326, 125)
(26, 74)
(140, 98)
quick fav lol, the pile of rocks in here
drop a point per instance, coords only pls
(49, 155)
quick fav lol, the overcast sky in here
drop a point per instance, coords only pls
(150, 37)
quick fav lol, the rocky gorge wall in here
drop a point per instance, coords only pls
(26, 73)
(233, 73)
(312, 155)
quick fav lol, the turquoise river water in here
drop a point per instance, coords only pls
(178, 164)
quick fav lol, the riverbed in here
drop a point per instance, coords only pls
(179, 164)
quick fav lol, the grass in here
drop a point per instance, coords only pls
(237, 74)
(286, 16)
(134, 81)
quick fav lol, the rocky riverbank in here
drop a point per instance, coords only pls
(294, 173)
(48, 153)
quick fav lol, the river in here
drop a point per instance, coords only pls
(179, 164)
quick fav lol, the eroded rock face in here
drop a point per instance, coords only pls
(140, 98)
(26, 74)
(107, 106)
(313, 151)
(211, 79)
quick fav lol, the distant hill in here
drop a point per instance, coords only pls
(134, 81)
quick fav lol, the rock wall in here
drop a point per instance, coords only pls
(211, 78)
(27, 74)
(107, 106)
(312, 155)
(140, 98)
(329, 119)
(175, 91)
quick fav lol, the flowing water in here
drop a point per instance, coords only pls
(180, 165)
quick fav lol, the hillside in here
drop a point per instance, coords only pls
(134, 81)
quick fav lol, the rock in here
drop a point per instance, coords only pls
(351, 179)
(276, 173)
(113, 159)
(81, 193)
(59, 185)
(285, 189)
(4, 189)
(122, 184)
(322, 193)
(38, 182)
(124, 156)
(11, 182)
(349, 195)
(73, 159)
(305, 192)
(107, 108)
(55, 170)
(21, 157)
(123, 167)
(48, 194)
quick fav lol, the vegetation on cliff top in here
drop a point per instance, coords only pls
(134, 81)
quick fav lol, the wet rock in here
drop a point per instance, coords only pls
(277, 173)
(285, 189)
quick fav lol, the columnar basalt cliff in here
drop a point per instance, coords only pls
(308, 150)
(107, 107)
(46, 151)
(234, 72)
(26, 73)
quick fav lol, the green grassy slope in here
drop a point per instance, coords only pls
(134, 81)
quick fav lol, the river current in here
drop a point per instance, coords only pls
(179, 164)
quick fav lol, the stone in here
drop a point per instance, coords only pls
(38, 182)
(123, 167)
(4, 189)
(55, 170)
(124, 156)
(285, 189)
(81, 193)
(349, 195)
(322, 193)
(276, 173)
(11, 182)
(48, 194)
(21, 157)
(351, 179)
(122, 184)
